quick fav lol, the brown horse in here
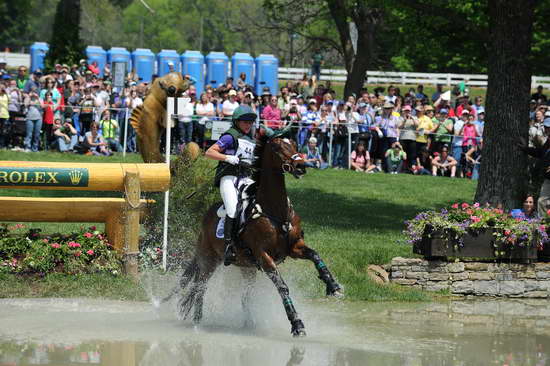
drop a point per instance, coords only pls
(271, 233)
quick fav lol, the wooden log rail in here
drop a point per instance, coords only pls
(120, 215)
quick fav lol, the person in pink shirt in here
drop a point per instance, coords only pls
(360, 158)
(271, 114)
(468, 132)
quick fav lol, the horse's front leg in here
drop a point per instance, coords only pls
(249, 275)
(333, 288)
(270, 268)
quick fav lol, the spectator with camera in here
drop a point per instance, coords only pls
(33, 119)
(65, 135)
(443, 130)
(408, 125)
(110, 131)
(395, 157)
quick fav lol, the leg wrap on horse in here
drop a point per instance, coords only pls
(282, 288)
(229, 252)
(324, 273)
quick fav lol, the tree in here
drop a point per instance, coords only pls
(14, 17)
(65, 44)
(313, 19)
(503, 171)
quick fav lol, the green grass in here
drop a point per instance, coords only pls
(352, 219)
(59, 285)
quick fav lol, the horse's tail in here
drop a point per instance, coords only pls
(191, 270)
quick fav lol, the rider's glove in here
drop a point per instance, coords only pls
(232, 159)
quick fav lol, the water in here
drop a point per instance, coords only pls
(468, 332)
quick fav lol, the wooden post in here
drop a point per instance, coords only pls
(131, 222)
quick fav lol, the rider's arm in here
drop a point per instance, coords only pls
(215, 153)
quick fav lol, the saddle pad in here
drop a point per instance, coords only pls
(219, 228)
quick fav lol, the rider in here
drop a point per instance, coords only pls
(236, 145)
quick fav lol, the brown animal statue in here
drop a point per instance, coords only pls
(149, 119)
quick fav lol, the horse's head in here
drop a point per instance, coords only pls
(287, 156)
(170, 85)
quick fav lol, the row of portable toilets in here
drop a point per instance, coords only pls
(212, 69)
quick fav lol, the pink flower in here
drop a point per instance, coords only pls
(470, 212)
(475, 219)
(93, 228)
(88, 235)
(73, 244)
(55, 245)
(158, 250)
(542, 228)
(498, 211)
(548, 212)
(507, 232)
(77, 253)
(476, 205)
(45, 241)
(455, 205)
(90, 252)
(465, 205)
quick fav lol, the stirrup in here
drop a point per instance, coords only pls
(229, 255)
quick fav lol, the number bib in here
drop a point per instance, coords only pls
(246, 150)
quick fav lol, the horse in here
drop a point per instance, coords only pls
(271, 232)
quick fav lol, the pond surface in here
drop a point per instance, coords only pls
(466, 332)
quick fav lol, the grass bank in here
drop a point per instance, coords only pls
(351, 219)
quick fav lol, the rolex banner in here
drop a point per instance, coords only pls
(50, 177)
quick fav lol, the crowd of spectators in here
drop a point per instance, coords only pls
(74, 109)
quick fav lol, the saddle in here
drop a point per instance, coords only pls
(246, 207)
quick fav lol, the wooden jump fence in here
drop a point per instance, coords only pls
(120, 215)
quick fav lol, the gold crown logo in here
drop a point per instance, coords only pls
(76, 176)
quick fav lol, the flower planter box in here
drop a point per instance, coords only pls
(479, 246)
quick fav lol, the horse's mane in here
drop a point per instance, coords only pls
(261, 142)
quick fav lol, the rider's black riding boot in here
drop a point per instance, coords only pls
(230, 254)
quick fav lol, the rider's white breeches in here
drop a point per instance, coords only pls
(229, 195)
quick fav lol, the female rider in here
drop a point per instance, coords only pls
(235, 145)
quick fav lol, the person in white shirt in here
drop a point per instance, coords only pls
(185, 118)
(204, 109)
(230, 104)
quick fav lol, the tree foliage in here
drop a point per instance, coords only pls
(65, 44)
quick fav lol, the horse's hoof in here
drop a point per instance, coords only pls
(299, 333)
(298, 329)
(156, 303)
(337, 292)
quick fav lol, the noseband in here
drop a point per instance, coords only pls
(288, 166)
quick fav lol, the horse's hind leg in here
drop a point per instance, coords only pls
(249, 275)
(195, 297)
(298, 329)
(333, 288)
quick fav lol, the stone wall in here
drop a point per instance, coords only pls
(473, 278)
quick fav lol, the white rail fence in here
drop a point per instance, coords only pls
(404, 78)
(373, 77)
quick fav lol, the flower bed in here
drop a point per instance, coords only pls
(29, 252)
(472, 231)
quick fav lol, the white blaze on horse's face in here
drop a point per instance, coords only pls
(287, 141)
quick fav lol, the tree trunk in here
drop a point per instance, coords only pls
(503, 168)
(65, 45)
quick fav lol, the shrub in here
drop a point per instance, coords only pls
(86, 251)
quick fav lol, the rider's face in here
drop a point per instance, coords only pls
(245, 126)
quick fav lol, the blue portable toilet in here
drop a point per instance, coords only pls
(164, 58)
(267, 73)
(119, 54)
(97, 54)
(242, 62)
(38, 54)
(216, 68)
(143, 61)
(192, 63)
